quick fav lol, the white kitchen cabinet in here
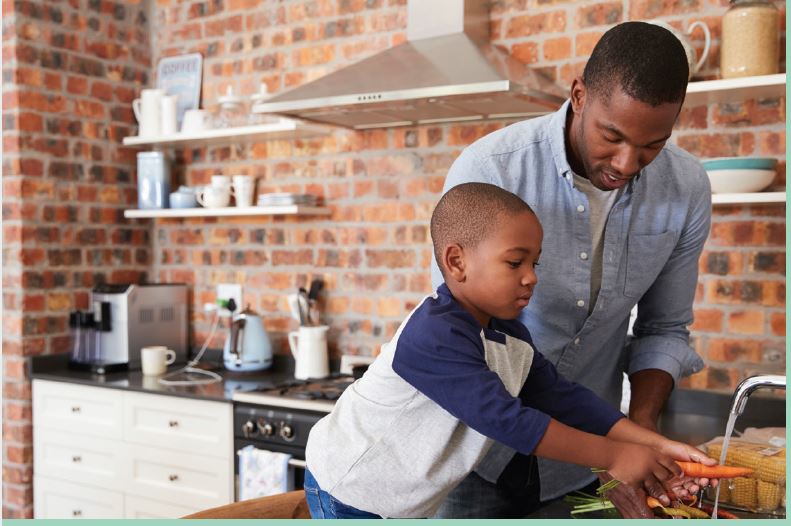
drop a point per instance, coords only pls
(77, 409)
(120, 451)
(142, 508)
(56, 499)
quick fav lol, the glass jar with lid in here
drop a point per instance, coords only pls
(750, 39)
(231, 112)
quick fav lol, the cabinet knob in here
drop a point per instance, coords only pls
(76, 458)
(173, 423)
(75, 409)
(76, 513)
(173, 478)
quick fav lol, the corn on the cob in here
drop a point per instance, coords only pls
(725, 490)
(768, 495)
(743, 492)
(771, 469)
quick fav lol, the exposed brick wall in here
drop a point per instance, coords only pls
(70, 71)
(69, 80)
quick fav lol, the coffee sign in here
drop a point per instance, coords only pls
(181, 76)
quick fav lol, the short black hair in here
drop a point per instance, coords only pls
(468, 212)
(647, 61)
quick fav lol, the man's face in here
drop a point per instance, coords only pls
(500, 271)
(615, 137)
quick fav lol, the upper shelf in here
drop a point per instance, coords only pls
(735, 90)
(283, 129)
(228, 211)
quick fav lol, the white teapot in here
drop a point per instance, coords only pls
(694, 66)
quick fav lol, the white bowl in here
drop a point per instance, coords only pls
(738, 181)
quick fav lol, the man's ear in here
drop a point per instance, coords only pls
(453, 260)
(578, 95)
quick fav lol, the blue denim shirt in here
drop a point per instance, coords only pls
(653, 239)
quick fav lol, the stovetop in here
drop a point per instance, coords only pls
(313, 394)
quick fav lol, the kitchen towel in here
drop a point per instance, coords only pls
(263, 473)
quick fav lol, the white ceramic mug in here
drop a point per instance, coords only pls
(684, 38)
(155, 359)
(221, 181)
(214, 196)
(168, 116)
(195, 120)
(309, 347)
(148, 110)
(243, 189)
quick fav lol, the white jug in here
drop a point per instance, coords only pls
(309, 347)
(694, 65)
(168, 115)
(148, 109)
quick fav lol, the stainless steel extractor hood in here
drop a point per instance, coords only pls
(446, 71)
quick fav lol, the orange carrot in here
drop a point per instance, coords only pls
(653, 503)
(694, 469)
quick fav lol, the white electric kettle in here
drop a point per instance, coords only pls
(309, 347)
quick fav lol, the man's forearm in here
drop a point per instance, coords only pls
(650, 388)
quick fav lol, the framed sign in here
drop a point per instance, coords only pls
(181, 76)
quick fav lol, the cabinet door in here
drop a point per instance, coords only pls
(187, 478)
(95, 411)
(97, 462)
(142, 508)
(56, 499)
(179, 424)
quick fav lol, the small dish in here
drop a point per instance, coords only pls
(738, 181)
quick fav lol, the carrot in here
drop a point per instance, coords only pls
(653, 503)
(696, 470)
(721, 514)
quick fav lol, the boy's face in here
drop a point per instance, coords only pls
(499, 274)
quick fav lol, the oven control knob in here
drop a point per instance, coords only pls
(248, 428)
(265, 428)
(286, 431)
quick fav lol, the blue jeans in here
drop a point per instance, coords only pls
(322, 505)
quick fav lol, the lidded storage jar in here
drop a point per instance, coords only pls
(750, 39)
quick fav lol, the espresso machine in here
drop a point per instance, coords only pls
(128, 317)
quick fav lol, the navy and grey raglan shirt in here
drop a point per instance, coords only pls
(427, 410)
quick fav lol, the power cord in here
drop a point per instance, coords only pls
(191, 368)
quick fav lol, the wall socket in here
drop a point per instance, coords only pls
(227, 291)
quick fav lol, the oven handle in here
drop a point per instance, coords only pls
(297, 463)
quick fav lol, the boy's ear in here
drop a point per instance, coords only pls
(453, 260)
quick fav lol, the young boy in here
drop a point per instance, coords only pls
(461, 372)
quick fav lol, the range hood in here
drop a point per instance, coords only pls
(446, 71)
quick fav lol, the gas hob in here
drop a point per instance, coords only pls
(310, 395)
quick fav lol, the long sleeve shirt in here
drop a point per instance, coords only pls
(425, 413)
(653, 238)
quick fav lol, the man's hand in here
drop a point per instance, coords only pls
(649, 388)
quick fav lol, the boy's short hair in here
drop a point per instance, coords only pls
(468, 212)
(646, 61)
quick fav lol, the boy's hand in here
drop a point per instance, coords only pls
(645, 467)
(683, 486)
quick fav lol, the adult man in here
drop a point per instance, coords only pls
(625, 217)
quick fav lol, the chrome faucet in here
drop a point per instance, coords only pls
(748, 385)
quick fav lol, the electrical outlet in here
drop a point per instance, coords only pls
(227, 291)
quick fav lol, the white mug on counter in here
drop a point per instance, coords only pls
(309, 347)
(155, 359)
(195, 120)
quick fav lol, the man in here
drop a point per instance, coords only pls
(625, 217)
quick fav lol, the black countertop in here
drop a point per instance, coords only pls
(56, 368)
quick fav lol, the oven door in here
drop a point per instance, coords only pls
(297, 461)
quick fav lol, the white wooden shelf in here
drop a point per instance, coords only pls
(283, 129)
(749, 198)
(735, 90)
(229, 211)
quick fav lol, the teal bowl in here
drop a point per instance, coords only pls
(739, 163)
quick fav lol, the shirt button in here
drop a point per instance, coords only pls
(576, 341)
(583, 255)
(580, 303)
(580, 208)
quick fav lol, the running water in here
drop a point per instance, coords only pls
(725, 441)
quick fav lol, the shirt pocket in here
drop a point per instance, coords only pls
(646, 255)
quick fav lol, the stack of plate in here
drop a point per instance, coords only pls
(286, 199)
(735, 175)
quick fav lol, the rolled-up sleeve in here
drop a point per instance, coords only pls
(661, 336)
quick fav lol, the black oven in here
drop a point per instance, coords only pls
(277, 429)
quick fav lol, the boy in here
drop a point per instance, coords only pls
(461, 372)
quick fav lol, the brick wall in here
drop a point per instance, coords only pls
(374, 251)
(70, 71)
